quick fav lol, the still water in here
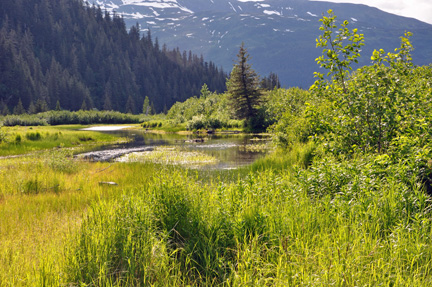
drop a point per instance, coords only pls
(230, 150)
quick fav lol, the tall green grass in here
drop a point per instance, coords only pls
(362, 221)
(268, 228)
(22, 140)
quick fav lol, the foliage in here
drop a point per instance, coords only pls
(210, 111)
(271, 82)
(337, 56)
(24, 120)
(366, 217)
(373, 105)
(295, 115)
(243, 88)
(146, 107)
(76, 56)
(67, 118)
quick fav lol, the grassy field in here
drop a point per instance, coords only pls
(22, 140)
(297, 218)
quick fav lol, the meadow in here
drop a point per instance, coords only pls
(295, 218)
(343, 200)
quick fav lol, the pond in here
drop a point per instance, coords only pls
(213, 151)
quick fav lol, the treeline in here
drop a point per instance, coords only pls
(75, 56)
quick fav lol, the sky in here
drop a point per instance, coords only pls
(419, 9)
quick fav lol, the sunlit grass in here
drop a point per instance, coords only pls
(288, 220)
(22, 140)
(170, 155)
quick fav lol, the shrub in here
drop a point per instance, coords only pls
(18, 139)
(33, 136)
(24, 120)
(197, 123)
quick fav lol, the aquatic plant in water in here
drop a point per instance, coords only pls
(170, 155)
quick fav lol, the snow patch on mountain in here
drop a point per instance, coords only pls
(232, 7)
(268, 12)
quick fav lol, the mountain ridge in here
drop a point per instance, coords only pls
(63, 53)
(280, 35)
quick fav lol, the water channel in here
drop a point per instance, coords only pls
(230, 150)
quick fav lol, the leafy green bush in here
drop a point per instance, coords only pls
(375, 104)
(24, 120)
(67, 117)
(197, 123)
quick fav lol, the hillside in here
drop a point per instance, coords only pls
(280, 34)
(64, 53)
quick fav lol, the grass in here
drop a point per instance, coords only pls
(21, 140)
(170, 155)
(298, 219)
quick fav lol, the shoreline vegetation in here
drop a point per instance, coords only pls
(344, 199)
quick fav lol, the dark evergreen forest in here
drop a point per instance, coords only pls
(68, 54)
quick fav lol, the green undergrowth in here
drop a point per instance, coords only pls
(298, 217)
(336, 223)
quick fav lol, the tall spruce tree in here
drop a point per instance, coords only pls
(19, 108)
(243, 88)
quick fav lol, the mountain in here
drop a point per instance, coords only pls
(64, 53)
(279, 34)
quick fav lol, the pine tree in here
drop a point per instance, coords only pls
(243, 87)
(19, 108)
(84, 106)
(205, 92)
(58, 107)
(271, 82)
(32, 108)
(41, 106)
(130, 105)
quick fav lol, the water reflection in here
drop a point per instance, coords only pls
(231, 150)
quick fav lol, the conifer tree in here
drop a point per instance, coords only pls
(19, 108)
(58, 107)
(41, 106)
(84, 106)
(205, 92)
(130, 105)
(32, 108)
(243, 87)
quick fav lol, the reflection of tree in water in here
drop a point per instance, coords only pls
(231, 150)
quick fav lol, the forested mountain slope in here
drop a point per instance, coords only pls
(279, 34)
(79, 56)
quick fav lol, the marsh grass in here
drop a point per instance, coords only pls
(286, 221)
(22, 140)
(172, 156)
(268, 228)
